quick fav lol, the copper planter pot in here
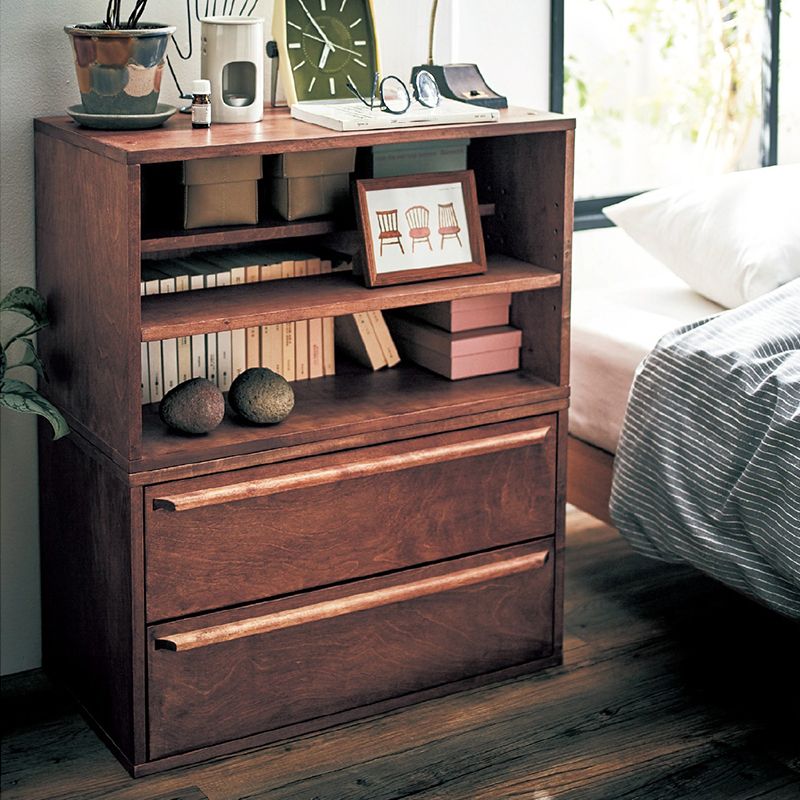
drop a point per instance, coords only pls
(119, 71)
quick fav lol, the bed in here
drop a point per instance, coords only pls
(708, 456)
(623, 301)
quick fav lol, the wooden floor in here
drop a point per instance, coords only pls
(672, 687)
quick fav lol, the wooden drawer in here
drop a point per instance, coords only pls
(245, 536)
(235, 673)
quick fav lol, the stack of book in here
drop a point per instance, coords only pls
(460, 338)
(296, 350)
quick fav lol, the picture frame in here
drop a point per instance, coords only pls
(419, 227)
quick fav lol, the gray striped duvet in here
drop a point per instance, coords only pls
(708, 466)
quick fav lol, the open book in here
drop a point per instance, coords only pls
(352, 115)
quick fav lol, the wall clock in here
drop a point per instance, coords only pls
(323, 44)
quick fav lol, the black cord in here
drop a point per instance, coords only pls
(175, 78)
(189, 25)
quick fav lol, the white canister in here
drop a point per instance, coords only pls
(232, 58)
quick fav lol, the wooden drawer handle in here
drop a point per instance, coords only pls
(217, 495)
(216, 634)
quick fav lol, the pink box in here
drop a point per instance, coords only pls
(464, 354)
(467, 313)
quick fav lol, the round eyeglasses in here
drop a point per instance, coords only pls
(394, 95)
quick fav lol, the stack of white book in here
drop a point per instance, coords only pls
(297, 350)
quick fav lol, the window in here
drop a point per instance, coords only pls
(668, 89)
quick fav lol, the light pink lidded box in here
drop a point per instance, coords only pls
(466, 314)
(463, 354)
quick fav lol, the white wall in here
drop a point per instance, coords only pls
(37, 79)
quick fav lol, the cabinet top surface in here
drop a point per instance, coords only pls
(276, 133)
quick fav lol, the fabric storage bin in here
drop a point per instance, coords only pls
(221, 191)
(311, 184)
(410, 158)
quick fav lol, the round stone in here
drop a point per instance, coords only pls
(194, 406)
(261, 396)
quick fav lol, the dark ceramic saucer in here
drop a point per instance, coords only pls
(122, 122)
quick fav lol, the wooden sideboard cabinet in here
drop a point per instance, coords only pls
(204, 595)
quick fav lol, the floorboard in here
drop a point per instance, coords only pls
(672, 687)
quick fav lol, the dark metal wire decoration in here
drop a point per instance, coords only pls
(228, 10)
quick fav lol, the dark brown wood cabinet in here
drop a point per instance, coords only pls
(398, 537)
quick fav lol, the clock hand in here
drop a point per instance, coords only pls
(331, 45)
(314, 23)
(326, 51)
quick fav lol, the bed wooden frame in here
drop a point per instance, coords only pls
(589, 471)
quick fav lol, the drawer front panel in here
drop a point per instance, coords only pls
(232, 674)
(224, 540)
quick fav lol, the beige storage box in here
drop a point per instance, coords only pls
(311, 184)
(221, 191)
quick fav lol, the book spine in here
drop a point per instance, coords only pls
(316, 366)
(169, 347)
(211, 341)
(388, 348)
(199, 339)
(239, 336)
(370, 339)
(224, 344)
(145, 366)
(253, 349)
(287, 269)
(301, 332)
(184, 342)
(155, 367)
(272, 335)
(328, 339)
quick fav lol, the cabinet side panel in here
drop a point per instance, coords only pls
(529, 179)
(87, 588)
(86, 223)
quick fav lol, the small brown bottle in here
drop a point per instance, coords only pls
(201, 104)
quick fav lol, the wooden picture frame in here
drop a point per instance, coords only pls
(413, 225)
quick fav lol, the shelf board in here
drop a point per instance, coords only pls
(352, 403)
(275, 228)
(277, 132)
(249, 305)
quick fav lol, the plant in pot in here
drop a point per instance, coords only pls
(15, 394)
(119, 61)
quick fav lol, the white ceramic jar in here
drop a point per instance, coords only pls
(232, 58)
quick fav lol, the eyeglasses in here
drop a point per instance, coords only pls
(395, 96)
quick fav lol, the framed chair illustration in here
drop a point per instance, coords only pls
(418, 219)
(389, 230)
(448, 224)
(420, 202)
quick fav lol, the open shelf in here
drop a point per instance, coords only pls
(271, 227)
(248, 305)
(352, 403)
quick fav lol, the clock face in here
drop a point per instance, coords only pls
(330, 42)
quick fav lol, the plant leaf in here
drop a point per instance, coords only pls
(27, 301)
(30, 358)
(18, 396)
(3, 361)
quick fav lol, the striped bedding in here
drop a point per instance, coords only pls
(708, 466)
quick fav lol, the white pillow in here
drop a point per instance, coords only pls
(732, 237)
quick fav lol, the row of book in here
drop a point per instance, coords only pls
(297, 350)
